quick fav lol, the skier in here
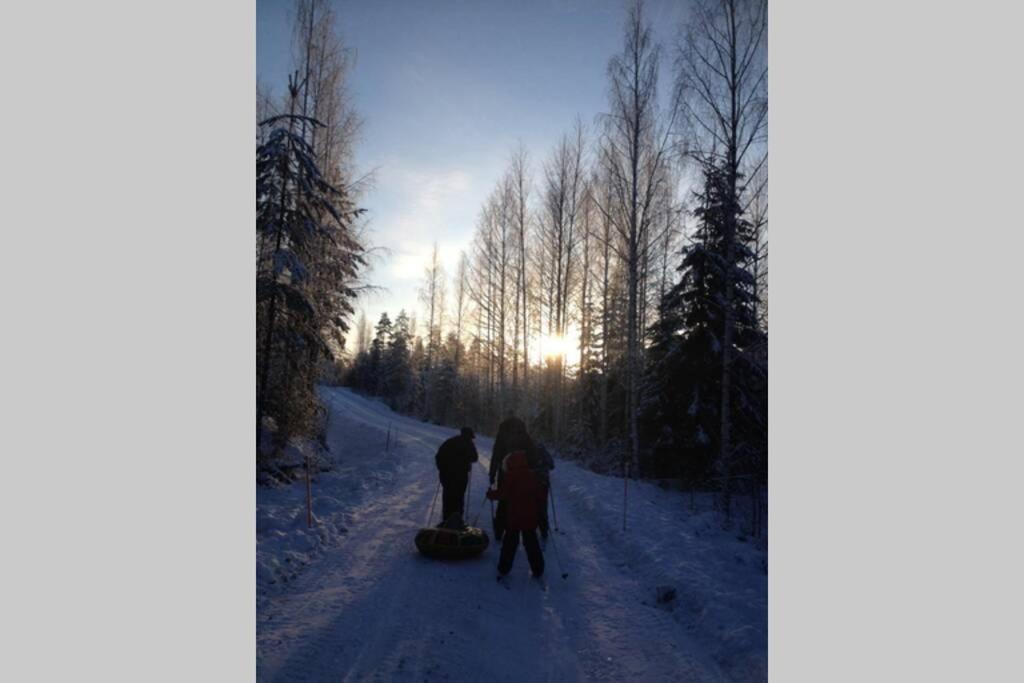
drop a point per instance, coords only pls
(454, 460)
(523, 495)
(511, 435)
(511, 428)
(541, 465)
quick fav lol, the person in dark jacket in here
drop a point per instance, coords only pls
(510, 432)
(541, 465)
(512, 435)
(523, 494)
(454, 459)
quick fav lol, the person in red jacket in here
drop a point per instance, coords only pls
(512, 436)
(523, 495)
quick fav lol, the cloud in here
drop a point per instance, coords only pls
(410, 260)
(414, 205)
(422, 207)
(430, 192)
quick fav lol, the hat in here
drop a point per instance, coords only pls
(468, 433)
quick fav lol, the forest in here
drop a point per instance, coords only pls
(615, 293)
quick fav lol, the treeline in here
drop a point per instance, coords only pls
(309, 247)
(624, 317)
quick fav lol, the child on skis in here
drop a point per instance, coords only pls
(512, 435)
(524, 496)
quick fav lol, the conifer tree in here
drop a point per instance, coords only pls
(297, 211)
(683, 387)
(397, 371)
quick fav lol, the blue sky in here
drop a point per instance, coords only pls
(446, 89)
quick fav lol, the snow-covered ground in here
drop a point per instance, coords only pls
(352, 600)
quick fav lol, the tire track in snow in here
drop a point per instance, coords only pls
(307, 635)
(373, 609)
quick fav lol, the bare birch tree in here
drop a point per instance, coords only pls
(432, 295)
(461, 289)
(635, 153)
(519, 187)
(362, 333)
(564, 180)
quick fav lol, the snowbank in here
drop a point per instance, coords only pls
(284, 544)
(720, 581)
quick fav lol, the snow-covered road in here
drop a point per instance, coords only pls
(371, 608)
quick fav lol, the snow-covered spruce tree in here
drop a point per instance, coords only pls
(662, 404)
(378, 353)
(420, 378)
(443, 380)
(301, 219)
(396, 370)
(683, 387)
(323, 94)
(357, 372)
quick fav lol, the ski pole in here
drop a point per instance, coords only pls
(554, 511)
(309, 498)
(430, 515)
(625, 491)
(558, 560)
(481, 509)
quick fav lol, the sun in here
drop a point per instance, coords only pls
(559, 345)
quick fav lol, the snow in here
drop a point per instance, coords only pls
(284, 543)
(353, 600)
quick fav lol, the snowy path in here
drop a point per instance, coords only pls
(371, 608)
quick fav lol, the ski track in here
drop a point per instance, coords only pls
(373, 609)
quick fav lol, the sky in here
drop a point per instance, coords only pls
(446, 89)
